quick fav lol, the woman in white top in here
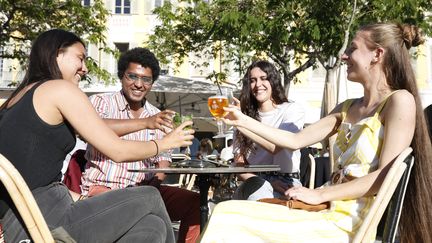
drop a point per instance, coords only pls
(263, 99)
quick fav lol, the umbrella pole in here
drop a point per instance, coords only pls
(180, 111)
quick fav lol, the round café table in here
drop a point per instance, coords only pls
(203, 179)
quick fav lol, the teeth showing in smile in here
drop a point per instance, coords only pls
(136, 92)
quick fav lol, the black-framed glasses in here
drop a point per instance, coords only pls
(134, 77)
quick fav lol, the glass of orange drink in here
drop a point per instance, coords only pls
(216, 103)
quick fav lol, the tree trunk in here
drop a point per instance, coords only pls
(287, 84)
(329, 102)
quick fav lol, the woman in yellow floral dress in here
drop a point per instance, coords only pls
(371, 132)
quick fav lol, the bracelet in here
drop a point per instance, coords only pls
(82, 197)
(157, 147)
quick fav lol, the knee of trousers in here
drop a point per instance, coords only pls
(148, 194)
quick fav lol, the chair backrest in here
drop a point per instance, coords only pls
(314, 172)
(24, 202)
(394, 208)
(177, 180)
(383, 197)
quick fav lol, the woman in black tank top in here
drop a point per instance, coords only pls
(37, 125)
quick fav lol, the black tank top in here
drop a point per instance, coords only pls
(34, 147)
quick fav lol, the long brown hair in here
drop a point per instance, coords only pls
(42, 64)
(249, 105)
(397, 39)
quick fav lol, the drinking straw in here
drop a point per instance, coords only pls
(220, 90)
(217, 81)
(180, 106)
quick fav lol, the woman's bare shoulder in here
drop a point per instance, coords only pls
(401, 99)
(400, 104)
(58, 83)
(59, 88)
(402, 94)
(58, 93)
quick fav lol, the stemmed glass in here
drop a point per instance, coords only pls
(231, 101)
(216, 103)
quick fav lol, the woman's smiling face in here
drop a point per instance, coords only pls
(71, 62)
(359, 57)
(260, 86)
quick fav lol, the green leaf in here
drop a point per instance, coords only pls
(285, 31)
(22, 21)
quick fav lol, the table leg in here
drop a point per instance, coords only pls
(203, 181)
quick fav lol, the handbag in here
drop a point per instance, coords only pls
(295, 204)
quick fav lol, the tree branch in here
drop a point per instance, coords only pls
(19, 38)
(346, 39)
(302, 67)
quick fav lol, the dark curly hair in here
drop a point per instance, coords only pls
(249, 105)
(140, 55)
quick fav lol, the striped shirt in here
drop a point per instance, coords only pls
(100, 170)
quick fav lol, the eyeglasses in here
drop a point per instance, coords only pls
(133, 77)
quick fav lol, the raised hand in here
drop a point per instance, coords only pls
(161, 121)
(180, 137)
(234, 117)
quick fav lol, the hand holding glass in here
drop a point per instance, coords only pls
(216, 103)
(179, 119)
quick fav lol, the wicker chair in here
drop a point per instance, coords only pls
(24, 202)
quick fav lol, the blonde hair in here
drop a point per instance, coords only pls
(397, 39)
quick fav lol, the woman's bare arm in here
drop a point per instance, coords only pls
(125, 126)
(58, 99)
(285, 139)
(399, 124)
(270, 147)
(292, 120)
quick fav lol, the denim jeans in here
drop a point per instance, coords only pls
(134, 214)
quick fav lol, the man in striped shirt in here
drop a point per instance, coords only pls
(132, 117)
